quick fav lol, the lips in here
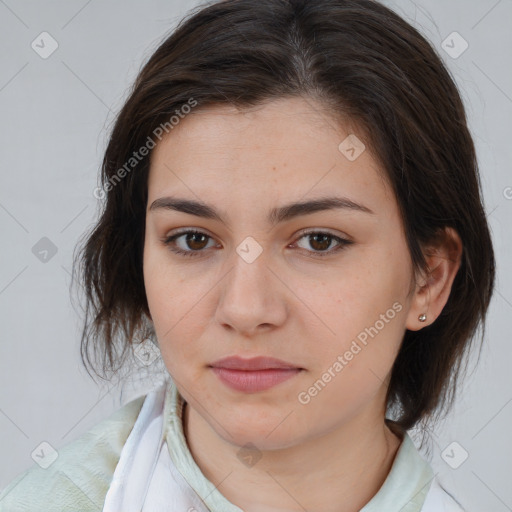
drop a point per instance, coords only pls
(252, 364)
(253, 375)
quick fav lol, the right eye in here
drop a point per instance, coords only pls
(191, 239)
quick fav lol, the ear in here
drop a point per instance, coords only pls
(433, 288)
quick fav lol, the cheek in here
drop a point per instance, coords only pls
(163, 282)
(352, 299)
(362, 311)
(353, 370)
(177, 310)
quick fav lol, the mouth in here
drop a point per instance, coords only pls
(255, 374)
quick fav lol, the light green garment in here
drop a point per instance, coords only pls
(80, 477)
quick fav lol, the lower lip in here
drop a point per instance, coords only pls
(254, 381)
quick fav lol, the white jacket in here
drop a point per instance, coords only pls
(130, 463)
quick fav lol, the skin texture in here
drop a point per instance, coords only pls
(290, 302)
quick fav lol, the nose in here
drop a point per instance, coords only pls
(252, 298)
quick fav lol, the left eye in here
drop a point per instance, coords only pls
(195, 241)
(321, 241)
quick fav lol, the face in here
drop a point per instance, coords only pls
(325, 290)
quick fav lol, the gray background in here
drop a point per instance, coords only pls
(55, 116)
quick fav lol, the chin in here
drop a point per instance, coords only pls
(265, 433)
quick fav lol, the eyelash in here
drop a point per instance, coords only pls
(343, 243)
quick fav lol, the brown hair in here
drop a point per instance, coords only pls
(364, 63)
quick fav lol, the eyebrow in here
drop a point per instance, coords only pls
(276, 215)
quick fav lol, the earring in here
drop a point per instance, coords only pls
(422, 317)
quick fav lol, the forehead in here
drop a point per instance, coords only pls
(287, 148)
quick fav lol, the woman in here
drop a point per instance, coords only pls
(293, 215)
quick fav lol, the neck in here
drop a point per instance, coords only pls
(342, 470)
